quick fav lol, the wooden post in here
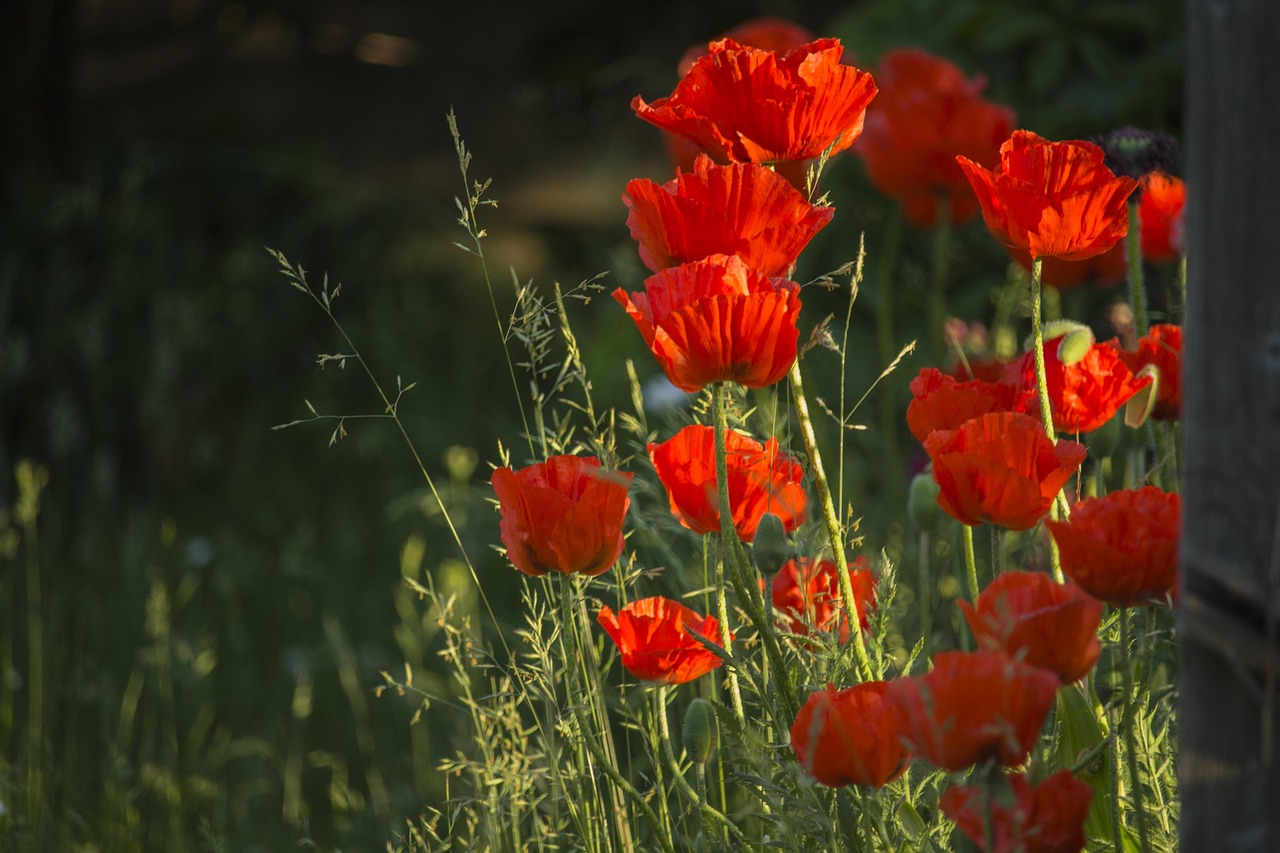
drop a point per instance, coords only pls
(1230, 609)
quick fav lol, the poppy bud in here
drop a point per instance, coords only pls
(770, 549)
(1074, 340)
(699, 731)
(922, 502)
(912, 824)
(1134, 152)
(1075, 345)
(1141, 404)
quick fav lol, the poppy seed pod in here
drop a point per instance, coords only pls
(922, 502)
(770, 550)
(699, 731)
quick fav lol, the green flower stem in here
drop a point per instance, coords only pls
(757, 605)
(659, 786)
(941, 266)
(1130, 742)
(760, 614)
(970, 564)
(1133, 254)
(831, 520)
(618, 779)
(1037, 343)
(1042, 390)
(605, 756)
(704, 807)
(728, 533)
(997, 551)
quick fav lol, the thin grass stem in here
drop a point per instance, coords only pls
(835, 535)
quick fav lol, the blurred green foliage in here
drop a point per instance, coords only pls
(218, 598)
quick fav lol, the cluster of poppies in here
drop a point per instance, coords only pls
(721, 240)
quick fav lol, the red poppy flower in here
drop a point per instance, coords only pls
(761, 479)
(1085, 395)
(1122, 548)
(562, 515)
(1000, 468)
(925, 115)
(1163, 198)
(807, 597)
(940, 402)
(973, 706)
(1029, 616)
(717, 320)
(744, 209)
(1054, 199)
(850, 736)
(744, 105)
(652, 635)
(1048, 818)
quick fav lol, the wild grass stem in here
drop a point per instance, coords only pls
(831, 520)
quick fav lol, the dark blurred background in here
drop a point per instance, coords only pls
(217, 598)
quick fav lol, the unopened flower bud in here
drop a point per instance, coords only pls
(770, 550)
(699, 731)
(1134, 152)
(1141, 404)
(922, 502)
(1074, 339)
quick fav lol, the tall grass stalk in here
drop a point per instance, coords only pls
(835, 532)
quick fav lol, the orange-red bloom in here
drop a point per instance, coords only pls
(562, 515)
(974, 706)
(761, 479)
(744, 105)
(1162, 349)
(1029, 616)
(652, 635)
(1160, 213)
(1085, 395)
(926, 114)
(717, 320)
(1048, 818)
(1054, 199)
(850, 736)
(744, 209)
(1163, 198)
(1001, 468)
(807, 597)
(1122, 548)
(939, 401)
